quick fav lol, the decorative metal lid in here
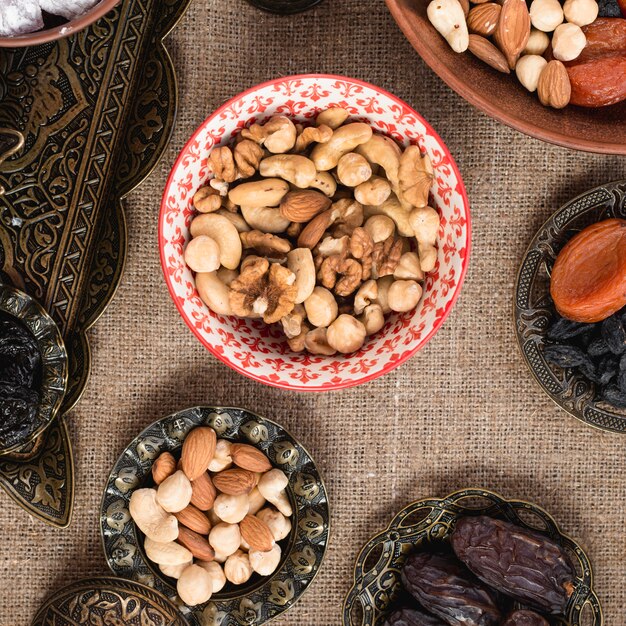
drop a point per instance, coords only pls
(108, 600)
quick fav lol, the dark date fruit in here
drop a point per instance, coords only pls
(524, 565)
(445, 588)
(525, 618)
(411, 617)
(20, 372)
(599, 353)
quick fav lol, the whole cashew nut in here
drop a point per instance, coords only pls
(265, 219)
(300, 262)
(326, 183)
(266, 192)
(345, 139)
(385, 152)
(223, 231)
(169, 553)
(272, 487)
(334, 117)
(151, 518)
(214, 293)
(294, 168)
(238, 222)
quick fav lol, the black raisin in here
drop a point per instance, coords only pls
(565, 356)
(614, 396)
(621, 381)
(614, 333)
(598, 347)
(564, 329)
(607, 370)
(609, 8)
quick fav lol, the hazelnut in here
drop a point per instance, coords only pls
(346, 334)
(265, 563)
(581, 12)
(195, 585)
(537, 43)
(404, 295)
(546, 15)
(568, 42)
(528, 70)
(237, 568)
(321, 307)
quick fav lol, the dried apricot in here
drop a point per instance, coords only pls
(598, 82)
(588, 282)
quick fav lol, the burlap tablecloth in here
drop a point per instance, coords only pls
(464, 412)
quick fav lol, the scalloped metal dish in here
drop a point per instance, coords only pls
(533, 306)
(108, 601)
(256, 602)
(377, 578)
(53, 357)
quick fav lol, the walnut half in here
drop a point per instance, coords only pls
(263, 290)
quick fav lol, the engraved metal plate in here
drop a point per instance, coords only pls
(377, 584)
(533, 307)
(108, 601)
(262, 598)
(94, 113)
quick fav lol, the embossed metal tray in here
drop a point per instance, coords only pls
(94, 113)
(533, 307)
(261, 599)
(377, 583)
(108, 601)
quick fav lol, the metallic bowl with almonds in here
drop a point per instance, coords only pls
(261, 598)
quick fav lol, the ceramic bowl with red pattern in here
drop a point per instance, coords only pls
(250, 346)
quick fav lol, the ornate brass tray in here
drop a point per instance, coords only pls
(108, 601)
(260, 600)
(377, 571)
(94, 113)
(534, 308)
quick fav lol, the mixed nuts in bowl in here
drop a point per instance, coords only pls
(220, 510)
(298, 243)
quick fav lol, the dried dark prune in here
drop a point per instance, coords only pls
(444, 587)
(524, 565)
(614, 334)
(411, 617)
(525, 618)
(565, 356)
(609, 8)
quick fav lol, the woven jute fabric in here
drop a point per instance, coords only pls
(463, 412)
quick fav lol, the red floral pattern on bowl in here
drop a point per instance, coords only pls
(260, 351)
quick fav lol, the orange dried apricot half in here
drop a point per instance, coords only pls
(588, 282)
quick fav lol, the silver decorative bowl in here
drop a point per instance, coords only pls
(262, 598)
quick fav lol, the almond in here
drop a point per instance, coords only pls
(203, 492)
(554, 88)
(194, 519)
(256, 533)
(164, 466)
(303, 206)
(483, 18)
(513, 30)
(314, 230)
(249, 458)
(466, 6)
(196, 544)
(487, 52)
(198, 451)
(235, 482)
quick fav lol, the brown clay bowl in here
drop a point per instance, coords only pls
(503, 98)
(62, 30)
